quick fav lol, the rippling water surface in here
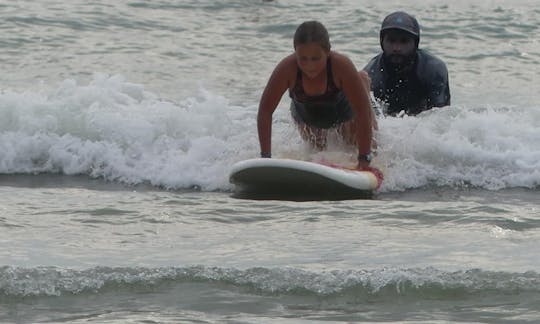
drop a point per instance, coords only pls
(120, 122)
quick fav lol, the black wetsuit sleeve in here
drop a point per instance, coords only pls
(372, 66)
(373, 69)
(439, 89)
(368, 66)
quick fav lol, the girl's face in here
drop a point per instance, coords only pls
(311, 59)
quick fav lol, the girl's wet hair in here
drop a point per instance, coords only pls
(312, 32)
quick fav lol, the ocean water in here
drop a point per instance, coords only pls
(119, 122)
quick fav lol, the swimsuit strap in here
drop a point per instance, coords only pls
(331, 88)
(330, 85)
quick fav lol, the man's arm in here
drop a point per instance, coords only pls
(439, 91)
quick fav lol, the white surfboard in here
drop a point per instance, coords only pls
(288, 179)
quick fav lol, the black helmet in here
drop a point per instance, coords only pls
(402, 21)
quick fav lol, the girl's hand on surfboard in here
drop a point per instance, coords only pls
(362, 165)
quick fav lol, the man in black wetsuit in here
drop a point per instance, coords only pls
(404, 77)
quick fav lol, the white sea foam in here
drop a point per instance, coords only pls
(488, 147)
(114, 129)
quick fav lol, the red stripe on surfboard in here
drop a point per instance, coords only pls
(376, 172)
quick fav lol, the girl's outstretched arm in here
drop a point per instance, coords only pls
(278, 83)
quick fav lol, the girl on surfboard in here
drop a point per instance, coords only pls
(326, 90)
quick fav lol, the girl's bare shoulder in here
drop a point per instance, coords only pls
(340, 61)
(286, 69)
(288, 63)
